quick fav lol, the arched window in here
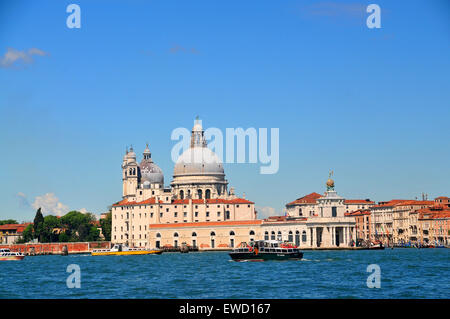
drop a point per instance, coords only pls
(304, 236)
(266, 235)
(231, 233)
(300, 212)
(181, 194)
(175, 235)
(272, 235)
(208, 194)
(194, 234)
(252, 233)
(131, 171)
(279, 236)
(297, 238)
(290, 237)
(158, 235)
(189, 193)
(213, 233)
(134, 171)
(200, 194)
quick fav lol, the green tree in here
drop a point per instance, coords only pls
(27, 235)
(38, 224)
(50, 223)
(63, 237)
(106, 224)
(8, 221)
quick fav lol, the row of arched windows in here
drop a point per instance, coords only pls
(194, 234)
(199, 193)
(278, 236)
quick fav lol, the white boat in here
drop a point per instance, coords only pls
(6, 254)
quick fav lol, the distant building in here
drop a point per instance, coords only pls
(443, 201)
(434, 225)
(363, 224)
(10, 233)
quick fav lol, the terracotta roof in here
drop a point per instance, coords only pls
(434, 212)
(390, 203)
(358, 212)
(359, 201)
(203, 224)
(415, 202)
(307, 199)
(17, 227)
(442, 197)
(152, 200)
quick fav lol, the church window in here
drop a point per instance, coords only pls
(290, 237)
(213, 233)
(252, 233)
(175, 235)
(181, 194)
(208, 194)
(279, 236)
(194, 234)
(272, 235)
(304, 236)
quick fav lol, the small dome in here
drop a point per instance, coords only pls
(198, 161)
(150, 172)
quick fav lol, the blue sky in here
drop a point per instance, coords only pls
(371, 104)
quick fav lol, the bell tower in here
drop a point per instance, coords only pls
(130, 172)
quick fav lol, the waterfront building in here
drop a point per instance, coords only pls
(199, 209)
(404, 220)
(382, 220)
(362, 224)
(10, 233)
(198, 195)
(320, 220)
(434, 225)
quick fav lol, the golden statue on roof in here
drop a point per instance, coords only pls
(330, 182)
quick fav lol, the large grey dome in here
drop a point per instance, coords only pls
(198, 160)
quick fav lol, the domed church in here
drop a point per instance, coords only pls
(199, 172)
(198, 196)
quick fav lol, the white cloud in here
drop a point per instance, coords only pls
(13, 56)
(50, 204)
(266, 211)
(23, 201)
